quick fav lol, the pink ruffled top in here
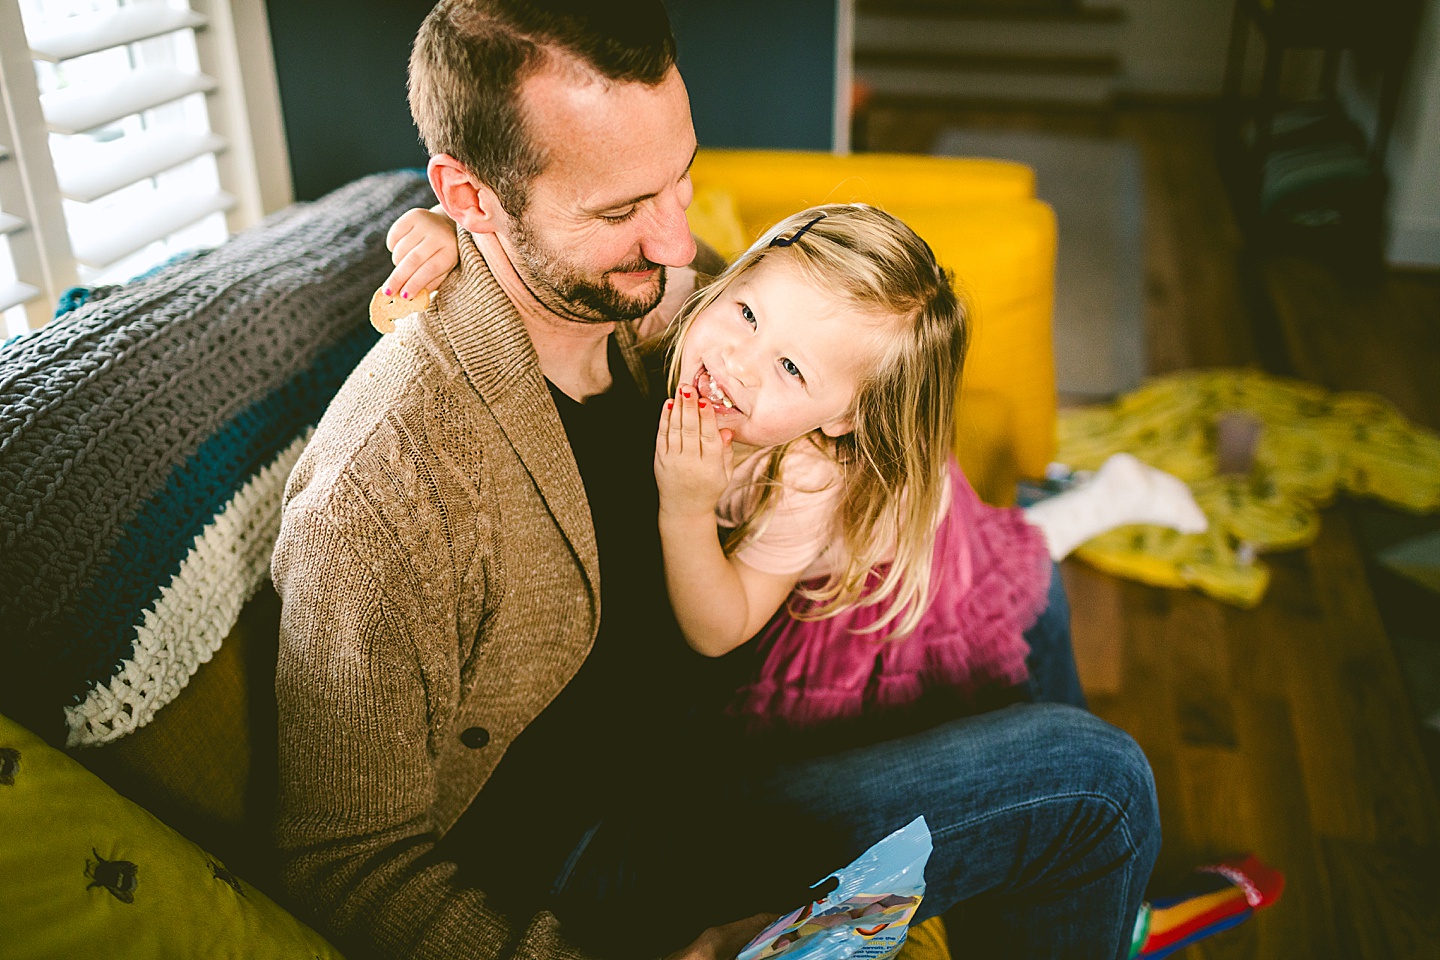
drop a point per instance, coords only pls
(989, 581)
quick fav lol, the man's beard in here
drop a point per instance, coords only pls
(582, 298)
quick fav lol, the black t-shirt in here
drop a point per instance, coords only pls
(627, 714)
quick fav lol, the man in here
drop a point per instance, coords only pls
(472, 589)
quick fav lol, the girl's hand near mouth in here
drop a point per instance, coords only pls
(693, 457)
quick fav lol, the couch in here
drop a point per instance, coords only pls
(145, 439)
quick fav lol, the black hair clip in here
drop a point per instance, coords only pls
(786, 241)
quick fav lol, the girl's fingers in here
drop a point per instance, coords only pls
(396, 233)
(688, 400)
(709, 432)
(409, 224)
(427, 276)
(422, 247)
(405, 264)
(407, 272)
(412, 259)
(677, 424)
(393, 283)
(662, 437)
(402, 247)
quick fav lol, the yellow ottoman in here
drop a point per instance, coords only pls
(983, 222)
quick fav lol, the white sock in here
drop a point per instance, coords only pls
(1123, 491)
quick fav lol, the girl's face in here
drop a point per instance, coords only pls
(779, 356)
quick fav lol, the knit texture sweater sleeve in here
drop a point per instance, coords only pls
(380, 565)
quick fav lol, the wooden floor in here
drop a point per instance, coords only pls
(1284, 730)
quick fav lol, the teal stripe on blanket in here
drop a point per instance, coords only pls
(153, 544)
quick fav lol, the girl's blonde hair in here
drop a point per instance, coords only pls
(893, 464)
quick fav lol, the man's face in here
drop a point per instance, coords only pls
(607, 214)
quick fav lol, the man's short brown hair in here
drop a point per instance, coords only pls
(470, 57)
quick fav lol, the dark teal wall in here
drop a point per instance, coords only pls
(759, 74)
(341, 67)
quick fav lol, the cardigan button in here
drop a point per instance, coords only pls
(475, 737)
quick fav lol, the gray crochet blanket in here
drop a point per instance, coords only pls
(144, 441)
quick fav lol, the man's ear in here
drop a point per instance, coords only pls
(839, 427)
(465, 199)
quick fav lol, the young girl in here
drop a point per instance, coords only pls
(814, 387)
(813, 419)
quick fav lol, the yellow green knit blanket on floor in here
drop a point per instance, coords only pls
(1313, 444)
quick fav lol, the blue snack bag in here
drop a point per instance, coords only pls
(865, 911)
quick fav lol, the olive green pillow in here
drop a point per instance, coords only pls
(86, 873)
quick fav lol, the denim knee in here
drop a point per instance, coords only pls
(1102, 760)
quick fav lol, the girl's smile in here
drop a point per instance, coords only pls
(707, 385)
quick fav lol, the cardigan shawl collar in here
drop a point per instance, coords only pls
(494, 348)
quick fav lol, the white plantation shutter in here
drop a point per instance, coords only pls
(13, 291)
(57, 39)
(138, 129)
(34, 256)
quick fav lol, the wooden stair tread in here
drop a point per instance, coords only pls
(951, 9)
(1094, 65)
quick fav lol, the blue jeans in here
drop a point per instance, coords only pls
(1043, 818)
(1053, 677)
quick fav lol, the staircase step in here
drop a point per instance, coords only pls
(966, 52)
(910, 82)
(932, 34)
(1038, 64)
(960, 10)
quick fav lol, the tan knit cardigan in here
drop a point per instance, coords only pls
(438, 571)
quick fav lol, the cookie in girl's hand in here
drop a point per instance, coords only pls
(384, 311)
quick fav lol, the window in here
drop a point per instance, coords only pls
(132, 131)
